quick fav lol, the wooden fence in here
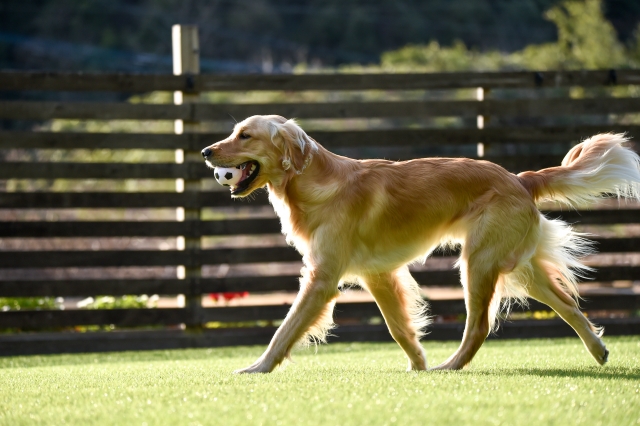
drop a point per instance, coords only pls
(528, 119)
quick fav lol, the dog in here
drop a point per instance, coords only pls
(364, 221)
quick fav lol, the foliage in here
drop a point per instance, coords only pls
(19, 303)
(126, 34)
(586, 40)
(510, 382)
(436, 58)
(123, 302)
(100, 302)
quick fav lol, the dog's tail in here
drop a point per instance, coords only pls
(592, 169)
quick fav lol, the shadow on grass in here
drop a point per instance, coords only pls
(620, 373)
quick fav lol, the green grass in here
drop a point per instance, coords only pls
(527, 382)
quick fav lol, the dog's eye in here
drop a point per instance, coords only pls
(244, 135)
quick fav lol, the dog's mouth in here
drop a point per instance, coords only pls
(250, 171)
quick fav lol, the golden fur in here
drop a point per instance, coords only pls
(365, 220)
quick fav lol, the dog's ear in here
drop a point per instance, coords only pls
(293, 142)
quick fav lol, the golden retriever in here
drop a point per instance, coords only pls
(365, 220)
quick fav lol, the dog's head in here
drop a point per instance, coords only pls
(268, 149)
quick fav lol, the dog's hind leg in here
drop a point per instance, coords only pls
(546, 291)
(398, 297)
(497, 240)
(309, 314)
(478, 293)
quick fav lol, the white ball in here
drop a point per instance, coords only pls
(227, 176)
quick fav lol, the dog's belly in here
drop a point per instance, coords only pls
(391, 256)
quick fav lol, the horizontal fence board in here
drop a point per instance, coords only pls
(616, 245)
(65, 200)
(266, 283)
(462, 136)
(99, 287)
(70, 342)
(491, 107)
(615, 273)
(140, 229)
(77, 140)
(26, 110)
(600, 274)
(120, 287)
(130, 340)
(448, 307)
(120, 317)
(105, 258)
(60, 170)
(239, 226)
(399, 109)
(596, 217)
(231, 314)
(554, 107)
(82, 81)
(413, 81)
(329, 139)
(61, 81)
(253, 284)
(108, 258)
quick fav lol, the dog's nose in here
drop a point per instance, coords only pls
(206, 153)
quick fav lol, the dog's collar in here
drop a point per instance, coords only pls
(286, 164)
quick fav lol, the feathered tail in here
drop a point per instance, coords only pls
(597, 167)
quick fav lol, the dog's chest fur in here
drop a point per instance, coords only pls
(294, 234)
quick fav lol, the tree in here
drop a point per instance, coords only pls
(586, 40)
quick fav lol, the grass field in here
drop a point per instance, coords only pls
(516, 382)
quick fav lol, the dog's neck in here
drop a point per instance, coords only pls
(302, 193)
(317, 178)
(287, 165)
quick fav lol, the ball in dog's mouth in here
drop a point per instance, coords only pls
(239, 177)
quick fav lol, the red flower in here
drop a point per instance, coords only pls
(228, 296)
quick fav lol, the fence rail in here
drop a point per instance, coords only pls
(265, 283)
(132, 83)
(26, 110)
(234, 227)
(336, 139)
(528, 128)
(167, 316)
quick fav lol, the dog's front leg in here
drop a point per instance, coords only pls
(312, 306)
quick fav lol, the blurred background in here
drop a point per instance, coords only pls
(279, 36)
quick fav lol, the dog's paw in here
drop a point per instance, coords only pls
(252, 369)
(446, 366)
(257, 367)
(422, 366)
(602, 360)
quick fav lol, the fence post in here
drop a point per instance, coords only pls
(481, 120)
(186, 61)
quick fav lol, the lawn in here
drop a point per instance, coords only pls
(516, 382)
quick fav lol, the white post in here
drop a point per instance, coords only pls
(186, 61)
(480, 120)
